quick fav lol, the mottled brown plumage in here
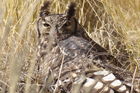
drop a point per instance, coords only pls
(68, 58)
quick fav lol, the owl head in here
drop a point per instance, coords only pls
(57, 26)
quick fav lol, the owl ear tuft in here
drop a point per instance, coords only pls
(70, 12)
(44, 11)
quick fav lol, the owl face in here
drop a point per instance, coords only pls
(57, 26)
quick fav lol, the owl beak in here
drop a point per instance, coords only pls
(54, 33)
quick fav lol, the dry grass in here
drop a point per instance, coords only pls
(115, 25)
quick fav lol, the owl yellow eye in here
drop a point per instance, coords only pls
(46, 25)
(67, 23)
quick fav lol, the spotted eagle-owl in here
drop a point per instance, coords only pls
(69, 61)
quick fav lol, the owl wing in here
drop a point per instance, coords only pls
(76, 47)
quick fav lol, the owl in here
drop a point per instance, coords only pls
(71, 62)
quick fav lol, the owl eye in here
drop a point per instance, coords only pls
(67, 23)
(46, 25)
